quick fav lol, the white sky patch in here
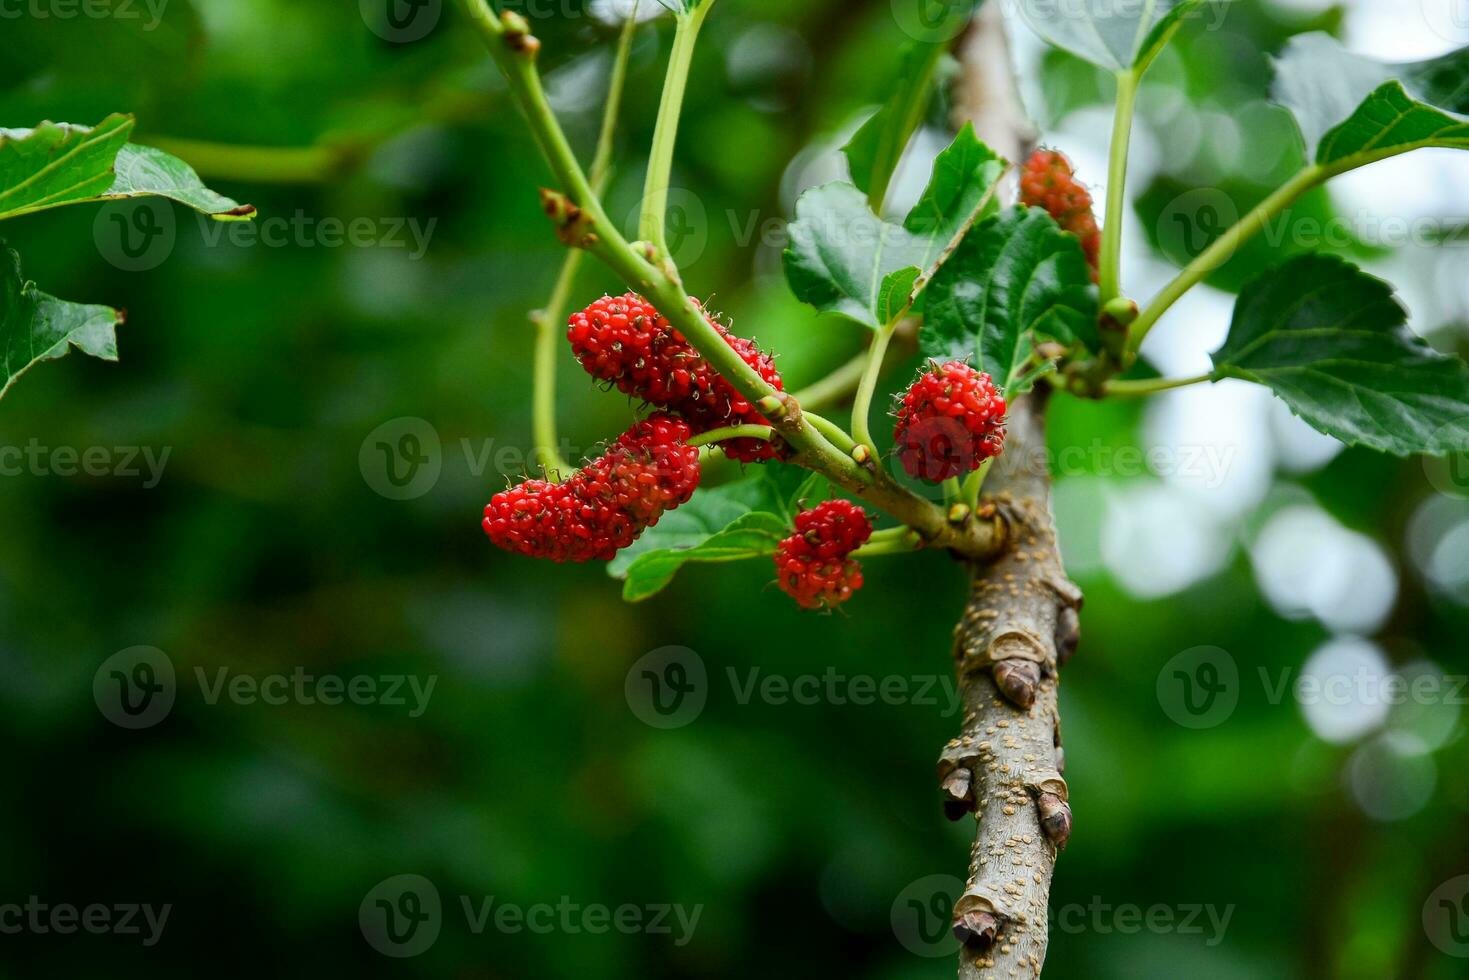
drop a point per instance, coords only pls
(1308, 565)
(1158, 540)
(1342, 690)
(1218, 441)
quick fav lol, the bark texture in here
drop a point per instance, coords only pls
(1020, 624)
(1006, 764)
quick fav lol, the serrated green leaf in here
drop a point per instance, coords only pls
(1016, 276)
(36, 327)
(875, 149)
(843, 258)
(1113, 35)
(1333, 342)
(57, 164)
(752, 536)
(1353, 110)
(762, 504)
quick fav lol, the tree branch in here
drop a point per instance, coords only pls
(1020, 624)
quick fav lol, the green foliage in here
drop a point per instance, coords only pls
(37, 327)
(1334, 343)
(1017, 276)
(1353, 109)
(737, 521)
(843, 258)
(1111, 35)
(875, 149)
(57, 164)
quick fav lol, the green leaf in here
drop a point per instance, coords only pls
(1015, 277)
(739, 520)
(876, 148)
(144, 171)
(843, 258)
(57, 164)
(1114, 35)
(37, 327)
(754, 535)
(1333, 342)
(1353, 110)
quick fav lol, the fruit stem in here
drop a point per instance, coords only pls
(549, 319)
(974, 483)
(890, 541)
(665, 134)
(762, 432)
(1110, 272)
(862, 404)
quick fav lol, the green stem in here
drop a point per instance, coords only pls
(834, 433)
(1222, 250)
(548, 320)
(665, 133)
(1110, 271)
(892, 541)
(974, 483)
(1140, 389)
(259, 164)
(762, 432)
(862, 404)
(952, 491)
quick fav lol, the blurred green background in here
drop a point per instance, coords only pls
(1320, 826)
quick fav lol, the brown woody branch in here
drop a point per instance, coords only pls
(1020, 624)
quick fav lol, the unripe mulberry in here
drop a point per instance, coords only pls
(812, 565)
(624, 340)
(950, 421)
(1049, 182)
(602, 508)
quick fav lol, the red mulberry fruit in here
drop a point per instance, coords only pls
(624, 340)
(603, 508)
(951, 420)
(812, 565)
(1049, 182)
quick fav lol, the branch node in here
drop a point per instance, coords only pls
(517, 35)
(573, 225)
(1055, 817)
(1018, 680)
(958, 514)
(958, 794)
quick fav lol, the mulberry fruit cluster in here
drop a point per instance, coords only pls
(950, 421)
(603, 508)
(813, 565)
(625, 341)
(1049, 182)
